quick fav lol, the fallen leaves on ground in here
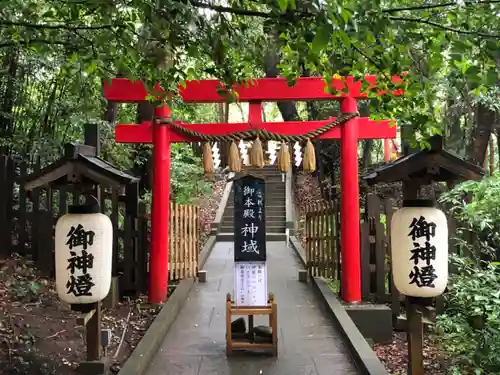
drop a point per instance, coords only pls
(394, 356)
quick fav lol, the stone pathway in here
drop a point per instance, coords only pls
(308, 343)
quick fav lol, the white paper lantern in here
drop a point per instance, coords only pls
(419, 247)
(84, 255)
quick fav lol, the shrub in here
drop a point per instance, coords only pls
(469, 330)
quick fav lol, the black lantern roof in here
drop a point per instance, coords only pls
(78, 166)
(431, 164)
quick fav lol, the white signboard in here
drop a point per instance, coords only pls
(250, 283)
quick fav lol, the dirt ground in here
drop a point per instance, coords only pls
(38, 332)
(394, 355)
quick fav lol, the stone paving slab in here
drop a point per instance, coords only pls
(308, 343)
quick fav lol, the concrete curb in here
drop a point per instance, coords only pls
(222, 207)
(366, 360)
(143, 354)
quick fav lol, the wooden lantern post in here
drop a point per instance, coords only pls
(84, 239)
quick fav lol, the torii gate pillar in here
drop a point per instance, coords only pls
(349, 205)
(160, 205)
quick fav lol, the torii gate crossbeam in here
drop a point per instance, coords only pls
(257, 91)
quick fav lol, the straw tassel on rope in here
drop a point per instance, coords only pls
(208, 160)
(234, 159)
(257, 154)
(283, 158)
(309, 162)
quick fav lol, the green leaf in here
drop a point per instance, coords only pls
(92, 68)
(345, 38)
(321, 38)
(472, 71)
(492, 77)
(283, 5)
(346, 16)
(34, 287)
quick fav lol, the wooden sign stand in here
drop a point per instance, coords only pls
(249, 341)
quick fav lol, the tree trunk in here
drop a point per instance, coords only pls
(497, 133)
(481, 134)
(145, 112)
(364, 111)
(287, 109)
(224, 146)
(10, 65)
(367, 153)
(456, 136)
(110, 112)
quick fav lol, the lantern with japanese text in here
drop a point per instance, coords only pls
(83, 255)
(419, 247)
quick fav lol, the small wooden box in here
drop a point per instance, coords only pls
(249, 341)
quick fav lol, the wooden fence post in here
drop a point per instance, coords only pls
(365, 260)
(338, 242)
(45, 242)
(5, 203)
(377, 253)
(35, 211)
(415, 336)
(142, 249)
(22, 214)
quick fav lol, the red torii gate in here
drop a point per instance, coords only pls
(349, 91)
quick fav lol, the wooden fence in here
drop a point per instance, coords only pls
(376, 281)
(184, 241)
(27, 222)
(322, 240)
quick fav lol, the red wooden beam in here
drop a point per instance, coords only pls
(266, 89)
(367, 129)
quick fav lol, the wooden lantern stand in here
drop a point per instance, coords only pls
(90, 318)
(248, 340)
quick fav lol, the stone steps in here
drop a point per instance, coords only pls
(275, 228)
(229, 237)
(269, 219)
